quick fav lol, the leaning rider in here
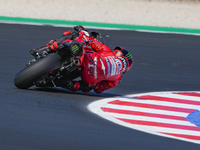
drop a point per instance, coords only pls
(103, 68)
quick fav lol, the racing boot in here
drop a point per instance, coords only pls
(64, 83)
(77, 85)
(72, 85)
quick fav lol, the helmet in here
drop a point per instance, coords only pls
(121, 52)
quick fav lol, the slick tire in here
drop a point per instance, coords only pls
(25, 78)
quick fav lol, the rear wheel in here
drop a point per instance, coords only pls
(25, 78)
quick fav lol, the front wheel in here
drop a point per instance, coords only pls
(25, 78)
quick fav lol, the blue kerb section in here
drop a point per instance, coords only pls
(194, 118)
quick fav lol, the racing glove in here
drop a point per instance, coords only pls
(44, 51)
(52, 45)
(103, 85)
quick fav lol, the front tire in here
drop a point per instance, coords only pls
(25, 78)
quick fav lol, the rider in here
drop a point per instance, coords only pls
(102, 69)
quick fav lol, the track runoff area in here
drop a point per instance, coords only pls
(169, 114)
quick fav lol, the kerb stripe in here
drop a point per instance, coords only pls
(159, 124)
(152, 106)
(167, 99)
(189, 94)
(129, 112)
(192, 137)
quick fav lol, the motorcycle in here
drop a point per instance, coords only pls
(44, 71)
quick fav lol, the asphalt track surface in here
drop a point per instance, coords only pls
(40, 118)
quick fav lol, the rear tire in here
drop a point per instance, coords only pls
(25, 78)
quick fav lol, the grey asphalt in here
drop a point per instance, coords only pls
(40, 118)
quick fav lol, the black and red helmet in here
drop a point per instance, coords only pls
(121, 52)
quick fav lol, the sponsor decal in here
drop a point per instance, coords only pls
(112, 66)
(90, 67)
(103, 67)
(128, 56)
(95, 67)
(169, 114)
(86, 33)
(124, 63)
(75, 48)
(90, 72)
(119, 66)
(85, 38)
(109, 66)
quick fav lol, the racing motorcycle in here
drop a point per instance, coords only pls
(42, 71)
